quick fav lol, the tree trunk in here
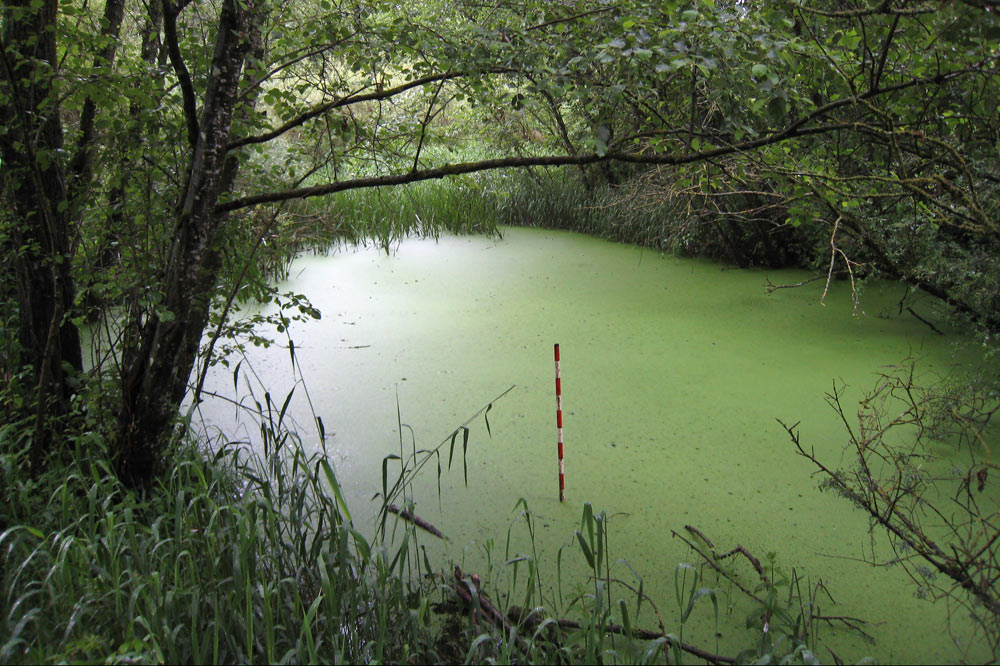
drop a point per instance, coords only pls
(156, 370)
(34, 182)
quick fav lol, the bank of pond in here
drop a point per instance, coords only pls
(674, 373)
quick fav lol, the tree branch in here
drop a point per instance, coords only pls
(795, 129)
(885, 52)
(81, 165)
(423, 125)
(180, 69)
(882, 8)
(352, 98)
(567, 19)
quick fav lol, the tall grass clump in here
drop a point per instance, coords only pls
(380, 216)
(427, 208)
(564, 200)
(460, 204)
(637, 208)
(230, 558)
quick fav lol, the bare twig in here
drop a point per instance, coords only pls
(770, 287)
(888, 481)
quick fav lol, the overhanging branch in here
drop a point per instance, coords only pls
(347, 100)
(513, 163)
(402, 179)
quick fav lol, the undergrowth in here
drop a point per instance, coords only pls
(231, 558)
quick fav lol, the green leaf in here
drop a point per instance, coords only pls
(702, 592)
(451, 448)
(331, 478)
(34, 531)
(585, 547)
(465, 447)
(626, 620)
(385, 474)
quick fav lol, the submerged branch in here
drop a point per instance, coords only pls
(521, 617)
(467, 588)
(408, 515)
(646, 634)
(930, 324)
(770, 287)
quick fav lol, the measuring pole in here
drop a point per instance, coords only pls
(562, 470)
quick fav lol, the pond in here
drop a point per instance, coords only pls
(674, 372)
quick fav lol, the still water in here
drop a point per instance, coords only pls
(674, 372)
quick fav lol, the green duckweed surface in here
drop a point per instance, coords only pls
(674, 372)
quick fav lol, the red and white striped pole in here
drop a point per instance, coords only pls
(562, 470)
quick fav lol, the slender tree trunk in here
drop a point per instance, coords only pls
(82, 165)
(156, 370)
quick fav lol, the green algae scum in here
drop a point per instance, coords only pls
(675, 372)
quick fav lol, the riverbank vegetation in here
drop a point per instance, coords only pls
(162, 161)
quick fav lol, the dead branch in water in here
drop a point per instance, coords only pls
(480, 606)
(932, 326)
(532, 621)
(770, 287)
(468, 588)
(712, 558)
(416, 520)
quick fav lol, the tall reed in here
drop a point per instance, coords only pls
(231, 558)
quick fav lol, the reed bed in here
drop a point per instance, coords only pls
(231, 558)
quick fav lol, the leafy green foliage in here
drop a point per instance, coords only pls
(232, 558)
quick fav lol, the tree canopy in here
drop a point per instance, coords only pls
(147, 148)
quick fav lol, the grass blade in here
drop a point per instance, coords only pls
(465, 447)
